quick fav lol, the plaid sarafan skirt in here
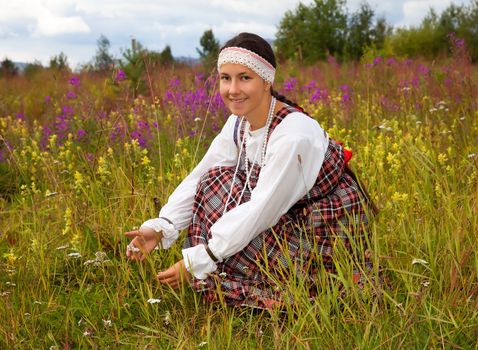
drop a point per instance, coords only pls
(302, 243)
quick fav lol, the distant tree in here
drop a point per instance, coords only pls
(8, 69)
(163, 58)
(31, 69)
(166, 56)
(364, 32)
(59, 62)
(313, 32)
(133, 64)
(103, 61)
(209, 50)
(360, 32)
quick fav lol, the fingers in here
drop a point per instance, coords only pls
(133, 234)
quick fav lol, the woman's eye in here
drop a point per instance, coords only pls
(224, 77)
(245, 77)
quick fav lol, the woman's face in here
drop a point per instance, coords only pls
(242, 90)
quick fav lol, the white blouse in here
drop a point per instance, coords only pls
(294, 156)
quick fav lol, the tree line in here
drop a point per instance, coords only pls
(307, 34)
(325, 28)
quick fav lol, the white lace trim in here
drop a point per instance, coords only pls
(250, 59)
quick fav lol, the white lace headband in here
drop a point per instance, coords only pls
(249, 59)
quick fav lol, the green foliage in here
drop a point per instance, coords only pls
(133, 64)
(59, 62)
(363, 32)
(313, 32)
(209, 50)
(432, 37)
(103, 61)
(166, 56)
(32, 69)
(8, 69)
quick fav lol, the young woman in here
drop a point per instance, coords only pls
(272, 196)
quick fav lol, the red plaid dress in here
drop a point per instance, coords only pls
(302, 243)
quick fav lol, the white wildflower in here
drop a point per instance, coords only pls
(201, 344)
(197, 119)
(154, 301)
(50, 194)
(472, 155)
(425, 283)
(132, 248)
(62, 247)
(74, 255)
(38, 302)
(4, 294)
(462, 118)
(87, 333)
(167, 318)
(107, 323)
(419, 261)
(11, 284)
(431, 110)
(223, 275)
(100, 259)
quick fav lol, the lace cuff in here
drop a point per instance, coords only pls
(170, 234)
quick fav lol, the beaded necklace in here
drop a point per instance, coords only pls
(264, 143)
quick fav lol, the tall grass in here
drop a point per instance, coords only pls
(77, 171)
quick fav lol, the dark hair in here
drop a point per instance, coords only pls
(260, 46)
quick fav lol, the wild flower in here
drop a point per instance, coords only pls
(70, 95)
(167, 318)
(153, 301)
(100, 259)
(67, 217)
(107, 323)
(201, 344)
(74, 255)
(120, 76)
(416, 261)
(50, 194)
(74, 80)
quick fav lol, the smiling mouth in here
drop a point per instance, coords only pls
(237, 100)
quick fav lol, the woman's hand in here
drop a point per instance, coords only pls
(144, 241)
(174, 276)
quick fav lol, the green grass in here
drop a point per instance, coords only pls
(418, 165)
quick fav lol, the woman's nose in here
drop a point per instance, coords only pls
(234, 86)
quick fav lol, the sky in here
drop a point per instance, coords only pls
(40, 29)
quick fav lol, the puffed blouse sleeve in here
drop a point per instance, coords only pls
(294, 156)
(177, 213)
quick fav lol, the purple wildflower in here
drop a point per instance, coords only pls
(70, 95)
(81, 133)
(20, 116)
(391, 61)
(120, 76)
(290, 84)
(74, 80)
(47, 99)
(377, 60)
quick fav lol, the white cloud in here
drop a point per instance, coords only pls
(414, 11)
(51, 25)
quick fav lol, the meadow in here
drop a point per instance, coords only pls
(83, 159)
